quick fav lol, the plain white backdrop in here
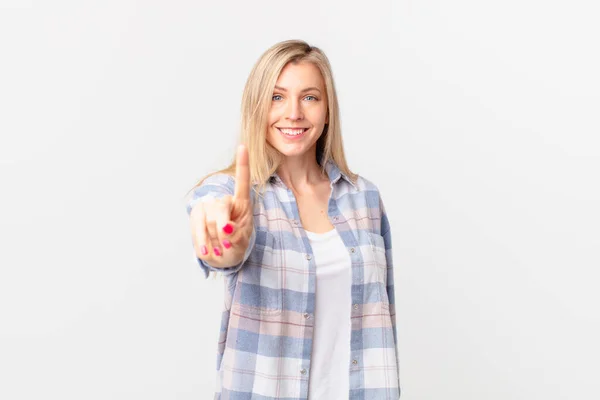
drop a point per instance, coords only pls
(477, 120)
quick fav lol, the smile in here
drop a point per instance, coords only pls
(292, 132)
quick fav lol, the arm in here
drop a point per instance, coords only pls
(386, 233)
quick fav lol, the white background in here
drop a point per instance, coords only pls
(478, 121)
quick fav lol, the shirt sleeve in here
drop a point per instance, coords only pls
(386, 233)
(214, 187)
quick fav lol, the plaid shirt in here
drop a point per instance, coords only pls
(267, 325)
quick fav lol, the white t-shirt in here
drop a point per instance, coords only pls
(330, 365)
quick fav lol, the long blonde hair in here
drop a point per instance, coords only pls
(264, 159)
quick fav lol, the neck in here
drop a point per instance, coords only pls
(300, 173)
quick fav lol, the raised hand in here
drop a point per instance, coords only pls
(221, 228)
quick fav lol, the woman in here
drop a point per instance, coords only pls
(304, 243)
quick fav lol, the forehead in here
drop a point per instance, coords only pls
(300, 75)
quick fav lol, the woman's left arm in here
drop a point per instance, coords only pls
(386, 233)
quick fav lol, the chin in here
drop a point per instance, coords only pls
(286, 148)
(290, 152)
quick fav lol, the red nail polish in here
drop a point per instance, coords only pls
(204, 250)
(217, 251)
(228, 229)
(226, 243)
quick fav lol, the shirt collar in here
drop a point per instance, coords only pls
(333, 172)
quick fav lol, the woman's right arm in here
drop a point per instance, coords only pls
(222, 221)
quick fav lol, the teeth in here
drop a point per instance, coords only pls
(292, 132)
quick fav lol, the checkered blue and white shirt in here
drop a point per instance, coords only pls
(267, 325)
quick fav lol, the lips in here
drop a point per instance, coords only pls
(292, 131)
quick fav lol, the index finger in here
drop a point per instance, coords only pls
(242, 174)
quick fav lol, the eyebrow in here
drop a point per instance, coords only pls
(302, 91)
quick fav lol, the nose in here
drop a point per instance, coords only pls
(294, 110)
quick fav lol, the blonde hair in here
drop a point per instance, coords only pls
(264, 159)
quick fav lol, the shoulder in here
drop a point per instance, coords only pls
(369, 189)
(212, 187)
(371, 193)
(364, 184)
(221, 179)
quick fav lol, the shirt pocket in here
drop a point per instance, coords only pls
(259, 286)
(378, 250)
(380, 260)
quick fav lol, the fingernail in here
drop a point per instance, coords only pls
(228, 229)
(204, 250)
(226, 243)
(217, 251)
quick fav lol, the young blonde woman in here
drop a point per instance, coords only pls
(304, 244)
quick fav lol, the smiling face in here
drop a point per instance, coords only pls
(298, 112)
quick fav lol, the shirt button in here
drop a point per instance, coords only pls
(303, 371)
(335, 218)
(306, 315)
(352, 250)
(308, 257)
(356, 306)
(354, 362)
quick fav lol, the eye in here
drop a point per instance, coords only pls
(311, 96)
(275, 95)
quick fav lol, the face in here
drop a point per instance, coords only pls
(298, 112)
